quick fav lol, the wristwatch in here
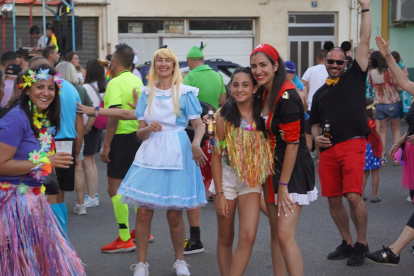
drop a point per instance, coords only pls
(96, 110)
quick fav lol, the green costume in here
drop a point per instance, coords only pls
(205, 78)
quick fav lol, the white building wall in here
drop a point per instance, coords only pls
(271, 16)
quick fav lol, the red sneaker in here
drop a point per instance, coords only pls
(151, 238)
(119, 246)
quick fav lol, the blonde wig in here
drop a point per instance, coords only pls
(176, 78)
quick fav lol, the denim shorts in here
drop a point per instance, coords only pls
(392, 111)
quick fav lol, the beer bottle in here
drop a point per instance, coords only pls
(210, 126)
(327, 130)
(103, 62)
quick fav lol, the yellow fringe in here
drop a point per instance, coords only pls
(249, 153)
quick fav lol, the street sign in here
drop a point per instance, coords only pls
(314, 4)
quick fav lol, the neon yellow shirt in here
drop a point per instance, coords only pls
(119, 94)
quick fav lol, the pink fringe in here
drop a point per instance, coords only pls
(30, 240)
(408, 168)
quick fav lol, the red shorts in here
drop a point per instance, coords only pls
(341, 168)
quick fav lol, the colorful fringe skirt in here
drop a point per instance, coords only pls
(31, 242)
(408, 167)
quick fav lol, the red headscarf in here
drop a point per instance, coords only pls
(267, 49)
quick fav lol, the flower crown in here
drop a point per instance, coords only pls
(42, 75)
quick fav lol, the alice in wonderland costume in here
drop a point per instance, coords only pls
(163, 174)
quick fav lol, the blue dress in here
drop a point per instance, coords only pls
(371, 162)
(163, 174)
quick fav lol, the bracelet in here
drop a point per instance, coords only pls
(396, 145)
(364, 10)
(222, 193)
(284, 184)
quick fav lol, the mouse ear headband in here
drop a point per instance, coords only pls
(345, 46)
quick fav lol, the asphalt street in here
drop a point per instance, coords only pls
(316, 235)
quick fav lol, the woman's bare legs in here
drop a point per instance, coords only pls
(383, 134)
(142, 232)
(225, 238)
(405, 238)
(396, 134)
(395, 130)
(80, 183)
(91, 175)
(248, 206)
(263, 205)
(375, 181)
(177, 232)
(279, 268)
(286, 230)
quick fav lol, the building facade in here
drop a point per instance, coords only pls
(397, 22)
(231, 29)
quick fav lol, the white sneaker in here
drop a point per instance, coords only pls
(181, 267)
(140, 269)
(409, 199)
(79, 209)
(91, 202)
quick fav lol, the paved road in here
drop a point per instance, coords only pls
(316, 236)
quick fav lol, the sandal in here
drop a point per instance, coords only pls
(364, 197)
(384, 160)
(375, 199)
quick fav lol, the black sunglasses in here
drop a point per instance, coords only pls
(332, 61)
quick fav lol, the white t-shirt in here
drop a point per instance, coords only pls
(316, 77)
(41, 42)
(94, 97)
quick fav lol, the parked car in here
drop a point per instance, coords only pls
(225, 68)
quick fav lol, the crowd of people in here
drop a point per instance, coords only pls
(57, 115)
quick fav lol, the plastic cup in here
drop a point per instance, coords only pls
(64, 146)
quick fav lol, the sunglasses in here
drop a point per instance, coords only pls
(332, 61)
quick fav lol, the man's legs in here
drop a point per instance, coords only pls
(340, 216)
(194, 220)
(359, 216)
(194, 245)
(352, 161)
(120, 209)
(124, 243)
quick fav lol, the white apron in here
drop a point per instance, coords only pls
(162, 150)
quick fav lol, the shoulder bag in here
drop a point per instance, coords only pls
(100, 121)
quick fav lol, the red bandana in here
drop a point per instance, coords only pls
(267, 49)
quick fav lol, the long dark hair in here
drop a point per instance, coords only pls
(378, 62)
(278, 80)
(396, 56)
(53, 110)
(95, 72)
(230, 112)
